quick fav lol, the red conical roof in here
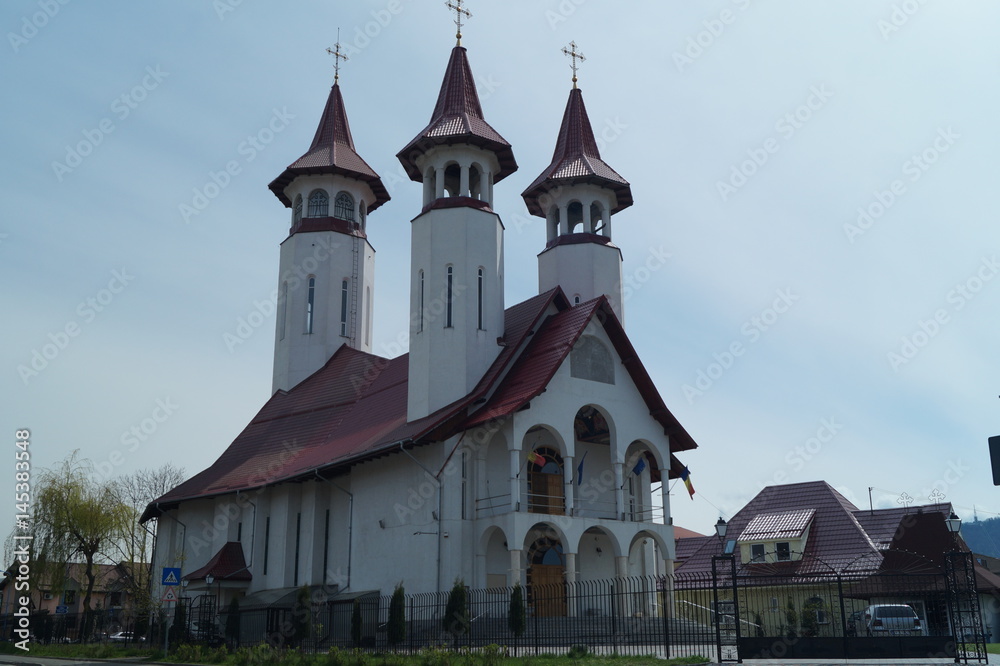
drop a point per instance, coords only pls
(577, 159)
(332, 151)
(458, 118)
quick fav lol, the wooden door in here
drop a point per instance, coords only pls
(548, 590)
(546, 493)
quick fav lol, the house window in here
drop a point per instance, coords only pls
(591, 359)
(814, 611)
(297, 210)
(319, 204)
(481, 287)
(774, 605)
(344, 295)
(114, 599)
(448, 289)
(310, 305)
(783, 551)
(69, 597)
(343, 207)
(757, 552)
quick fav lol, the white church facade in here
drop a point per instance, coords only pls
(520, 443)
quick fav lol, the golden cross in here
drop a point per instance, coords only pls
(337, 57)
(575, 55)
(460, 11)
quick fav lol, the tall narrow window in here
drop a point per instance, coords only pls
(239, 531)
(297, 210)
(344, 295)
(310, 304)
(298, 535)
(267, 540)
(326, 546)
(282, 310)
(420, 326)
(319, 204)
(451, 279)
(368, 312)
(481, 287)
(343, 207)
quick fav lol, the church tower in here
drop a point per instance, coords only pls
(577, 195)
(456, 261)
(326, 277)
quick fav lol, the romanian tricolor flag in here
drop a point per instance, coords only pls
(536, 458)
(686, 478)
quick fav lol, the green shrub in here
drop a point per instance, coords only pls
(516, 614)
(578, 652)
(396, 631)
(456, 613)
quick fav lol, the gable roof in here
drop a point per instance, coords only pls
(353, 409)
(227, 564)
(458, 118)
(332, 151)
(576, 159)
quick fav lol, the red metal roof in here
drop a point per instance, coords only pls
(332, 151)
(227, 564)
(577, 159)
(458, 118)
(354, 408)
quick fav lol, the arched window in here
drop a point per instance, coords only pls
(596, 217)
(297, 210)
(453, 180)
(545, 481)
(343, 207)
(575, 215)
(310, 304)
(591, 359)
(319, 204)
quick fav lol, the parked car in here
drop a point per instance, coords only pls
(892, 620)
(125, 637)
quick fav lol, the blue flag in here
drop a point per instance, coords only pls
(579, 469)
(639, 466)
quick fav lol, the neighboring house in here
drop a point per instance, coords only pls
(523, 444)
(110, 591)
(802, 547)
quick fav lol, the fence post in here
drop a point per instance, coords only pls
(614, 618)
(843, 614)
(664, 608)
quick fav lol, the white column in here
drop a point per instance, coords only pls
(665, 494)
(515, 482)
(571, 579)
(568, 470)
(428, 190)
(484, 187)
(516, 574)
(564, 220)
(607, 222)
(439, 182)
(463, 181)
(551, 226)
(619, 493)
(588, 221)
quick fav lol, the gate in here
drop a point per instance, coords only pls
(804, 609)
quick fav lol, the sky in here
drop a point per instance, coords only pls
(811, 263)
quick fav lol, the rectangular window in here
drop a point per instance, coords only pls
(310, 304)
(757, 552)
(784, 551)
(481, 286)
(326, 546)
(368, 315)
(267, 540)
(298, 535)
(69, 597)
(448, 318)
(421, 327)
(344, 295)
(239, 531)
(281, 311)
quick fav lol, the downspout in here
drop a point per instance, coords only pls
(350, 529)
(440, 494)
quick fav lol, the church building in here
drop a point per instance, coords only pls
(514, 443)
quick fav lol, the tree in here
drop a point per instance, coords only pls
(396, 631)
(515, 615)
(178, 630)
(456, 614)
(301, 616)
(77, 518)
(233, 623)
(792, 618)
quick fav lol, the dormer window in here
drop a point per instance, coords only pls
(757, 552)
(783, 551)
(319, 204)
(343, 207)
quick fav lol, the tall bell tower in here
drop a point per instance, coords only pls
(326, 277)
(456, 261)
(577, 194)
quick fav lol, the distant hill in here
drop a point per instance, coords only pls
(983, 536)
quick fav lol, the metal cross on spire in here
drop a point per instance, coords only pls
(574, 55)
(460, 11)
(337, 57)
